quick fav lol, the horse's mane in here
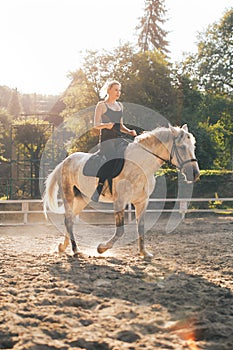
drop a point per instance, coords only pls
(162, 134)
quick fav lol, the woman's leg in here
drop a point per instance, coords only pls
(98, 190)
(108, 148)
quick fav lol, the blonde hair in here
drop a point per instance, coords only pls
(103, 93)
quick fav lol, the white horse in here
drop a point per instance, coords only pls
(134, 184)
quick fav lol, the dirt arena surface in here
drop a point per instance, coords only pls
(181, 299)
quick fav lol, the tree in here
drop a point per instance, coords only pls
(5, 151)
(212, 66)
(79, 95)
(5, 94)
(206, 145)
(99, 66)
(5, 122)
(221, 144)
(187, 97)
(29, 139)
(151, 35)
(208, 73)
(145, 76)
(14, 107)
(149, 84)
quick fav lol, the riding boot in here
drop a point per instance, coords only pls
(96, 194)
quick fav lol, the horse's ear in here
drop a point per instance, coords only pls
(185, 127)
(174, 130)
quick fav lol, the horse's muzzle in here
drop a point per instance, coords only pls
(191, 172)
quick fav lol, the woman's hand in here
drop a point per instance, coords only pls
(108, 125)
(132, 133)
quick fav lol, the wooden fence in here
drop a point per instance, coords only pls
(25, 212)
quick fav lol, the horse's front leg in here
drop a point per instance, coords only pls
(62, 246)
(119, 221)
(140, 209)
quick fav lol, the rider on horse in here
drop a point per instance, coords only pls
(108, 119)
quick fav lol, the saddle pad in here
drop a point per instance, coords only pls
(93, 164)
(98, 166)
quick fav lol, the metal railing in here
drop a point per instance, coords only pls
(26, 208)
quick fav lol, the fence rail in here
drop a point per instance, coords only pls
(27, 208)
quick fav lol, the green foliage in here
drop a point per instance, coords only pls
(79, 95)
(217, 204)
(5, 144)
(204, 90)
(32, 133)
(14, 107)
(211, 67)
(213, 184)
(188, 98)
(151, 34)
(215, 55)
(85, 137)
(2, 149)
(30, 137)
(85, 143)
(145, 79)
(99, 66)
(5, 94)
(17, 103)
(206, 147)
(150, 74)
(177, 96)
(211, 172)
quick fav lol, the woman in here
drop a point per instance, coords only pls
(108, 119)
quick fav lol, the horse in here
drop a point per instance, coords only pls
(135, 183)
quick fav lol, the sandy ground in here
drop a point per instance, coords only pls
(181, 299)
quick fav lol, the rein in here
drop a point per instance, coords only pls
(174, 151)
(156, 155)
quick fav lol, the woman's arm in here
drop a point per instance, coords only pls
(126, 130)
(99, 111)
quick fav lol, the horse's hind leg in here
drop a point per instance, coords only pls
(69, 223)
(77, 205)
(140, 209)
(73, 203)
(119, 220)
(69, 237)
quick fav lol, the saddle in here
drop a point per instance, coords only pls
(99, 166)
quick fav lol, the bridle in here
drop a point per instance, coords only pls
(180, 161)
(174, 152)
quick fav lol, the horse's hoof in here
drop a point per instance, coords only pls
(146, 255)
(101, 248)
(76, 255)
(61, 248)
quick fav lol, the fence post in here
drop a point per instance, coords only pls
(183, 208)
(25, 207)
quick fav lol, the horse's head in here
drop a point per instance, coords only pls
(183, 152)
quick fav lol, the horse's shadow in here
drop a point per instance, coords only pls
(197, 309)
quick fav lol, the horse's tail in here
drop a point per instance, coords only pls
(50, 197)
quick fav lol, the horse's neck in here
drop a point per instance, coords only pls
(157, 145)
(144, 157)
